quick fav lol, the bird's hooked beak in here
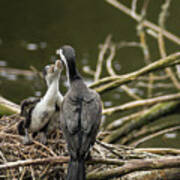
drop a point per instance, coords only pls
(64, 62)
(62, 57)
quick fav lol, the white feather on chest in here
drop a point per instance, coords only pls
(45, 109)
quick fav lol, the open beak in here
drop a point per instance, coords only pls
(58, 64)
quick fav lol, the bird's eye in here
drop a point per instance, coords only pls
(45, 70)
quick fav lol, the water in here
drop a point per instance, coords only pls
(31, 31)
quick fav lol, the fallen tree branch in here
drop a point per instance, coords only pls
(161, 151)
(103, 50)
(7, 107)
(115, 81)
(57, 160)
(149, 116)
(137, 143)
(147, 130)
(137, 165)
(163, 174)
(16, 71)
(120, 122)
(144, 102)
(146, 23)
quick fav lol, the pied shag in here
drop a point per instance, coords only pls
(41, 115)
(80, 116)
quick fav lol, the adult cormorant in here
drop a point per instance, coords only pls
(80, 116)
(42, 115)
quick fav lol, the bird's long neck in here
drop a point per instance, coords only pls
(51, 94)
(72, 71)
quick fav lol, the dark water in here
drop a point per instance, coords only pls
(31, 31)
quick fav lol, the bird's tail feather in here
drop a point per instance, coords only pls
(76, 170)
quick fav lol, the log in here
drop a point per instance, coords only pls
(112, 82)
(151, 115)
(130, 139)
(7, 107)
(146, 23)
(137, 165)
(57, 160)
(166, 174)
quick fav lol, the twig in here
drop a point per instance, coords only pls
(157, 85)
(45, 147)
(137, 165)
(116, 81)
(138, 103)
(109, 61)
(2, 156)
(147, 130)
(32, 173)
(123, 44)
(60, 160)
(16, 71)
(155, 78)
(145, 48)
(161, 44)
(101, 58)
(146, 23)
(56, 160)
(23, 173)
(113, 73)
(161, 151)
(137, 143)
(120, 122)
(133, 7)
(149, 116)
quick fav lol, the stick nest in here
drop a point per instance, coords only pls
(12, 150)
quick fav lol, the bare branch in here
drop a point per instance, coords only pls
(137, 165)
(101, 58)
(56, 160)
(146, 23)
(137, 143)
(8, 107)
(116, 81)
(144, 102)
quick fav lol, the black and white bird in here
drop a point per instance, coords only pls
(42, 115)
(80, 116)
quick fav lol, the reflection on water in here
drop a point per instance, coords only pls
(170, 135)
(3, 63)
(31, 31)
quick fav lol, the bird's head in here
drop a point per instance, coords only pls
(67, 55)
(52, 72)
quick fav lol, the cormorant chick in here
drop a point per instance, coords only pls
(80, 116)
(41, 115)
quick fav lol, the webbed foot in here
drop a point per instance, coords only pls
(27, 141)
(42, 138)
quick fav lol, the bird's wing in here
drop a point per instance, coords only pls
(69, 118)
(27, 104)
(91, 114)
(80, 122)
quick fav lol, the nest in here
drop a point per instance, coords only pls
(38, 161)
(12, 150)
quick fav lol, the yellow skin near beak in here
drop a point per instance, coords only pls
(58, 64)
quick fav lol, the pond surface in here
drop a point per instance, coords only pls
(31, 31)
